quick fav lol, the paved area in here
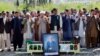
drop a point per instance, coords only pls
(84, 52)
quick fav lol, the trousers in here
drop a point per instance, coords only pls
(5, 41)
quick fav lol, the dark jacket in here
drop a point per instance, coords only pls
(6, 26)
(1, 25)
(66, 23)
(16, 25)
(55, 21)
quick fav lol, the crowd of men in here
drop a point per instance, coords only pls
(17, 27)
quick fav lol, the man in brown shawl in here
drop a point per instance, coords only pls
(91, 31)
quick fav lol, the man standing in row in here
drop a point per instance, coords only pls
(67, 26)
(55, 20)
(91, 30)
(17, 31)
(5, 28)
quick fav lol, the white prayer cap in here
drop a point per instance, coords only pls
(27, 13)
(42, 12)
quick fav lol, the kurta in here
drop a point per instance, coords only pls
(42, 27)
(48, 25)
(28, 33)
(75, 32)
(33, 29)
(7, 31)
(36, 30)
(17, 32)
(67, 28)
(91, 32)
(81, 32)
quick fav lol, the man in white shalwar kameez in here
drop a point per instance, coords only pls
(81, 31)
(42, 25)
(27, 29)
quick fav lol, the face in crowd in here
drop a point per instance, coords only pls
(55, 11)
(16, 14)
(67, 12)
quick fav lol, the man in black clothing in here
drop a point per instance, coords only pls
(17, 31)
(55, 20)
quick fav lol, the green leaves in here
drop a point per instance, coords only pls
(17, 3)
(5, 6)
(8, 6)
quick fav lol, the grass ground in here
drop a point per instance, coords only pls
(10, 6)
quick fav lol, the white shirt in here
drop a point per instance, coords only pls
(4, 20)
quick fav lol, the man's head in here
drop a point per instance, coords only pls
(92, 12)
(27, 15)
(3, 13)
(47, 13)
(16, 14)
(33, 14)
(96, 10)
(38, 13)
(54, 11)
(42, 13)
(13, 12)
(98, 15)
(84, 10)
(66, 12)
(80, 12)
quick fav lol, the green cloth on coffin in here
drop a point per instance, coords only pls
(29, 41)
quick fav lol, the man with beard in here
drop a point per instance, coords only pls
(67, 26)
(81, 22)
(91, 31)
(98, 21)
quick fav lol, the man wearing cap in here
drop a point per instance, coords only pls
(28, 35)
(42, 24)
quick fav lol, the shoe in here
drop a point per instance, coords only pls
(1, 50)
(9, 50)
(14, 49)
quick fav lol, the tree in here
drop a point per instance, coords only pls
(17, 3)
